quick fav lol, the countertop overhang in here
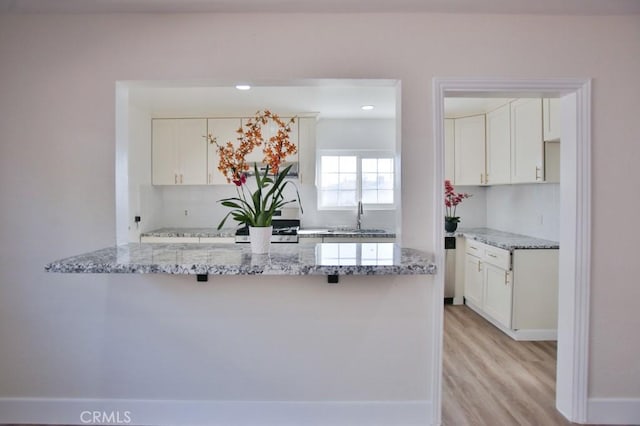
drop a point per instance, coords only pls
(331, 259)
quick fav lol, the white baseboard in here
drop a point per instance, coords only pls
(532, 334)
(522, 334)
(214, 413)
(613, 411)
(458, 300)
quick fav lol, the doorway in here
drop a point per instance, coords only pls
(575, 189)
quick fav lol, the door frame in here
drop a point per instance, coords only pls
(575, 229)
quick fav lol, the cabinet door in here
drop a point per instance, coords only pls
(526, 141)
(469, 135)
(473, 280)
(268, 131)
(551, 119)
(192, 146)
(307, 150)
(164, 153)
(449, 150)
(224, 130)
(498, 292)
(499, 146)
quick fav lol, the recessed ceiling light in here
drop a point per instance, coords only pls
(367, 107)
(243, 87)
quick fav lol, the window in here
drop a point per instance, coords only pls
(346, 178)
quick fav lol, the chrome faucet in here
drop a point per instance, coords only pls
(359, 218)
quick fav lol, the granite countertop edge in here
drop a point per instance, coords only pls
(505, 240)
(176, 232)
(225, 259)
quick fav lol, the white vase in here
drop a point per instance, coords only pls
(260, 237)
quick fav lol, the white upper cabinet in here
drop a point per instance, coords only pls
(179, 151)
(526, 141)
(469, 133)
(499, 146)
(224, 130)
(268, 131)
(449, 150)
(307, 150)
(551, 119)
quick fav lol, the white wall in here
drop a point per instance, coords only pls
(472, 211)
(65, 335)
(532, 210)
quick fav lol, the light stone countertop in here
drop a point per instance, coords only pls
(237, 259)
(190, 232)
(504, 240)
(344, 233)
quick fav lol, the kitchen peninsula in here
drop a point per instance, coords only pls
(331, 259)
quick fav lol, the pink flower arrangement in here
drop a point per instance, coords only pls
(451, 201)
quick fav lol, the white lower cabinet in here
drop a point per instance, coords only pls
(517, 292)
(473, 280)
(498, 294)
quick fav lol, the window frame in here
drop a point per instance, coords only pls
(360, 154)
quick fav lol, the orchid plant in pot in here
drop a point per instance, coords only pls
(256, 203)
(451, 201)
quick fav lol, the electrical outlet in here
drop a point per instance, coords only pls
(540, 219)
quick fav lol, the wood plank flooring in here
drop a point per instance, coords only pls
(491, 379)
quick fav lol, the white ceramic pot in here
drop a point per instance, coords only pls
(260, 237)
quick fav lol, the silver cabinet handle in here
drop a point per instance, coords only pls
(175, 178)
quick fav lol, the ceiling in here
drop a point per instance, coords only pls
(545, 7)
(326, 98)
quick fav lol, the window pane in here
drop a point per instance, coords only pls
(385, 196)
(369, 165)
(348, 165)
(330, 164)
(369, 181)
(347, 198)
(370, 196)
(348, 181)
(329, 198)
(385, 165)
(330, 181)
(385, 181)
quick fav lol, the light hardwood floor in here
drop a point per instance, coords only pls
(491, 379)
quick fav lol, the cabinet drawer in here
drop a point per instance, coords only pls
(475, 248)
(497, 257)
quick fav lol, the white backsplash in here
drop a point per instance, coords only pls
(530, 209)
(473, 211)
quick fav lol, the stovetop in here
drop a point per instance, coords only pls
(284, 231)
